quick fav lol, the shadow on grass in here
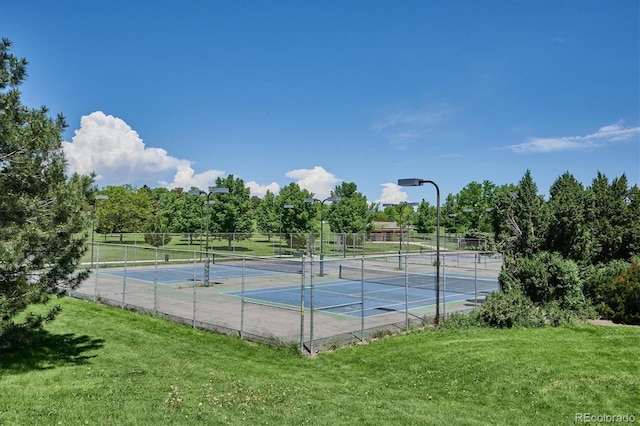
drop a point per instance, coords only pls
(43, 350)
(228, 249)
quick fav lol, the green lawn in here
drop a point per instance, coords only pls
(104, 366)
(112, 251)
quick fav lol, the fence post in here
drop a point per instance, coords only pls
(475, 282)
(95, 287)
(124, 276)
(362, 299)
(311, 307)
(406, 292)
(155, 284)
(195, 284)
(444, 287)
(304, 263)
(242, 301)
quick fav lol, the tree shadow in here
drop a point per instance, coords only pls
(227, 248)
(41, 350)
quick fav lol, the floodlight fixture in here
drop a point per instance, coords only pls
(216, 190)
(410, 182)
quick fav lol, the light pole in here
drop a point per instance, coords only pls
(315, 200)
(93, 222)
(286, 206)
(208, 203)
(420, 182)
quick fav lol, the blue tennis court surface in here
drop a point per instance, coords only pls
(179, 275)
(355, 298)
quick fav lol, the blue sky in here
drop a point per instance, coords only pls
(177, 93)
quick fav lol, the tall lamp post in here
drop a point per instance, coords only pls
(208, 203)
(316, 200)
(93, 222)
(420, 182)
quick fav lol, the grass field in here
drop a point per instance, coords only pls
(112, 247)
(98, 365)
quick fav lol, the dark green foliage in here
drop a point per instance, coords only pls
(615, 291)
(231, 213)
(42, 211)
(157, 240)
(158, 229)
(426, 218)
(512, 309)
(269, 214)
(552, 246)
(298, 219)
(351, 214)
(568, 232)
(126, 210)
(544, 278)
(469, 210)
(461, 321)
(528, 221)
(613, 216)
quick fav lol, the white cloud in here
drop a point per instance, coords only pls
(317, 180)
(392, 194)
(260, 190)
(611, 133)
(186, 177)
(108, 146)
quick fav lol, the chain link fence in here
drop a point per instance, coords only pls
(292, 297)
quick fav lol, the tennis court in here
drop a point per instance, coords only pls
(376, 293)
(186, 274)
(292, 300)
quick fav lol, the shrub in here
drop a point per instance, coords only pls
(157, 240)
(458, 320)
(599, 285)
(511, 309)
(544, 278)
(618, 294)
(626, 301)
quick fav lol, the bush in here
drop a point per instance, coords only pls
(599, 283)
(157, 240)
(557, 316)
(511, 309)
(459, 321)
(545, 278)
(625, 302)
(614, 289)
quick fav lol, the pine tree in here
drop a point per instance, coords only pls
(42, 211)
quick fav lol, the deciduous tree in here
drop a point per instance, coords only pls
(351, 215)
(231, 214)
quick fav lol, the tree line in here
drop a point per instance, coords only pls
(576, 250)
